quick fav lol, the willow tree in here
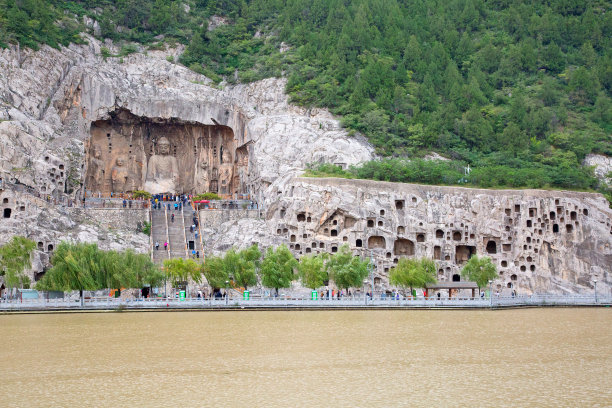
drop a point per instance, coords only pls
(179, 269)
(347, 270)
(84, 266)
(479, 270)
(241, 266)
(278, 268)
(312, 272)
(15, 258)
(413, 273)
(215, 272)
(75, 267)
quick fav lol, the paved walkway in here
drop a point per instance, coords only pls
(41, 305)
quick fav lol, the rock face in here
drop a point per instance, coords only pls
(602, 164)
(57, 108)
(72, 122)
(540, 241)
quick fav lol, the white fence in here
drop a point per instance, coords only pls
(286, 302)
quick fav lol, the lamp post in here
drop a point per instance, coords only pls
(595, 282)
(365, 295)
(226, 291)
(491, 293)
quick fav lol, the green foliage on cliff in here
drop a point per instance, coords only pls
(493, 171)
(85, 267)
(15, 258)
(519, 90)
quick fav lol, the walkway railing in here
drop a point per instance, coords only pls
(288, 302)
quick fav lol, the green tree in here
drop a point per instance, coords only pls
(479, 270)
(84, 266)
(278, 268)
(241, 266)
(312, 271)
(15, 258)
(215, 272)
(179, 269)
(75, 267)
(347, 270)
(413, 273)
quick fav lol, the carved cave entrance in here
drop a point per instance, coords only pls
(128, 153)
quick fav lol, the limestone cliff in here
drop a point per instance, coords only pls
(73, 123)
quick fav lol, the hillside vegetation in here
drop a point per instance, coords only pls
(519, 90)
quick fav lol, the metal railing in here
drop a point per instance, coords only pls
(298, 302)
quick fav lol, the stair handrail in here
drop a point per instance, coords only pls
(151, 233)
(167, 232)
(184, 232)
(199, 227)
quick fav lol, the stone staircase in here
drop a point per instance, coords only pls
(191, 241)
(180, 239)
(176, 234)
(159, 233)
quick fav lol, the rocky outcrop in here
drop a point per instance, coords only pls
(540, 241)
(50, 99)
(602, 165)
(52, 103)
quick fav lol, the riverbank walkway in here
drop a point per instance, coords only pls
(281, 303)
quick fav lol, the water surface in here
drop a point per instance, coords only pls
(530, 357)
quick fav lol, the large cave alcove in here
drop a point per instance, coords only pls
(127, 153)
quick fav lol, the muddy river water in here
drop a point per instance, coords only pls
(529, 357)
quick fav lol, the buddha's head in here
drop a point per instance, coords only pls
(164, 146)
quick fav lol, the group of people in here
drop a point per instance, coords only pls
(170, 200)
(157, 245)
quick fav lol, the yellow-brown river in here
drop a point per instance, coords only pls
(530, 357)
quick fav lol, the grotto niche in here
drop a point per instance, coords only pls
(128, 153)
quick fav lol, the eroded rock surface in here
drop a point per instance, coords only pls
(540, 241)
(58, 108)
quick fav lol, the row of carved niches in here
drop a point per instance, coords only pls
(129, 153)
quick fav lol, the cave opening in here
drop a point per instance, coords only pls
(403, 247)
(127, 153)
(463, 253)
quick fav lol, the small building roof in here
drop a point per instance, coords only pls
(452, 285)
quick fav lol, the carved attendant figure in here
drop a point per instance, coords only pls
(162, 171)
(96, 170)
(202, 177)
(226, 171)
(119, 175)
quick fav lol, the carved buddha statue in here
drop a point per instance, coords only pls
(162, 170)
(119, 175)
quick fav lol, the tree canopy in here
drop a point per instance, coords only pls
(179, 269)
(312, 271)
(84, 266)
(413, 273)
(15, 258)
(520, 91)
(215, 272)
(241, 266)
(346, 270)
(278, 268)
(480, 270)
